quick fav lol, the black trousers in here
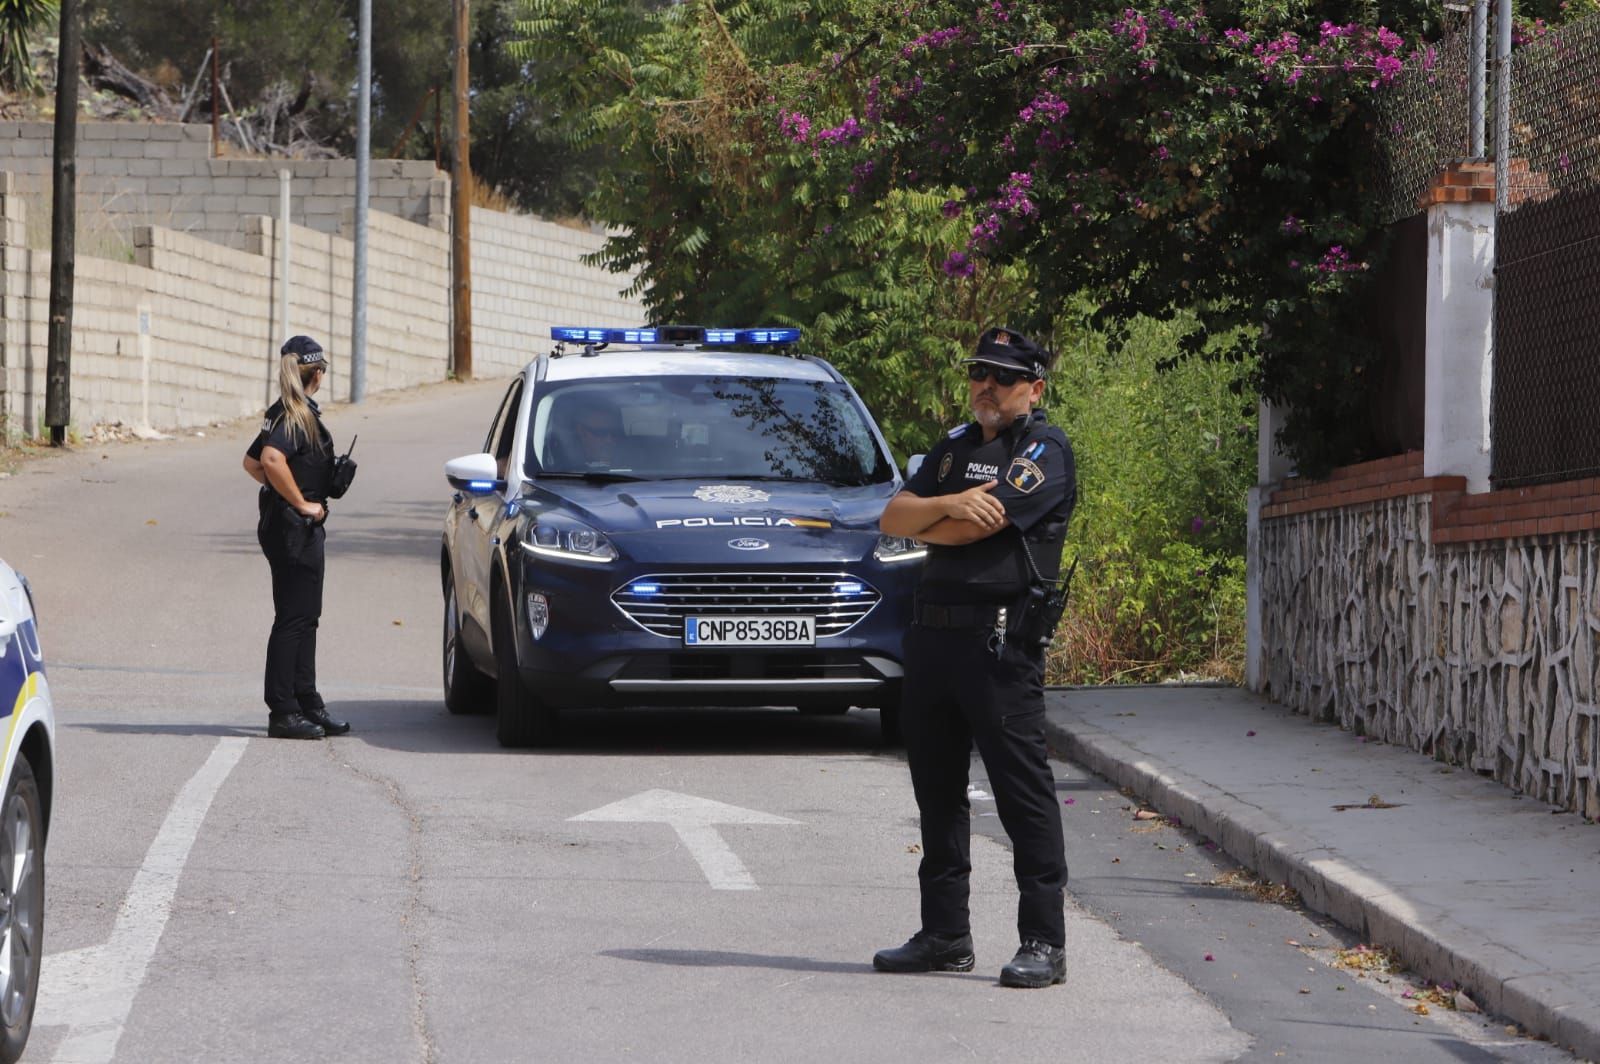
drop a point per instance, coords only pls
(295, 552)
(956, 692)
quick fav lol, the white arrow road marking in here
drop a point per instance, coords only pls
(91, 990)
(695, 820)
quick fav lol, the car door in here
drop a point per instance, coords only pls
(476, 524)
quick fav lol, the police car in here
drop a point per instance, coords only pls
(674, 516)
(25, 814)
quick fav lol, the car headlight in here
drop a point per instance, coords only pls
(574, 544)
(899, 549)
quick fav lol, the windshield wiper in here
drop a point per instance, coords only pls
(593, 477)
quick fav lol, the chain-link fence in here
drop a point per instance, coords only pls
(1547, 264)
(1424, 119)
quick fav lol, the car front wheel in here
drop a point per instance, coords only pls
(522, 718)
(21, 909)
(466, 690)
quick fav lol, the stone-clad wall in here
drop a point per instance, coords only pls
(1408, 617)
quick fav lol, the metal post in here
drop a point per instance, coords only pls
(216, 102)
(461, 212)
(1479, 78)
(63, 232)
(283, 258)
(1502, 106)
(358, 301)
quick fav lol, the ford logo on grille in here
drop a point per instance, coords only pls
(748, 544)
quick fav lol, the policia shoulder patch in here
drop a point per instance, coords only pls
(1024, 475)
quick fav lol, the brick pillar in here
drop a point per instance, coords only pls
(1459, 330)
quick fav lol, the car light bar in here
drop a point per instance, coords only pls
(674, 334)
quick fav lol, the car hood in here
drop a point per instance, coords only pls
(693, 521)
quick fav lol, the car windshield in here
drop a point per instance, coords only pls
(651, 428)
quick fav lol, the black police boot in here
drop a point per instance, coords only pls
(292, 726)
(927, 953)
(318, 715)
(1035, 964)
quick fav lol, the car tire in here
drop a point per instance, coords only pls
(466, 690)
(22, 922)
(522, 719)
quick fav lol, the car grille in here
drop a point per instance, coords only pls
(832, 598)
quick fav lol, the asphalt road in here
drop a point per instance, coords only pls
(667, 886)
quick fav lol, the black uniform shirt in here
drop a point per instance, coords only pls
(311, 467)
(1033, 463)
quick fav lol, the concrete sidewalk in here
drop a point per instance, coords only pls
(1467, 881)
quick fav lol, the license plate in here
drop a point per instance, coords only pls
(749, 631)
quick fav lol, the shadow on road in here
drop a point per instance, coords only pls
(424, 726)
(168, 729)
(716, 958)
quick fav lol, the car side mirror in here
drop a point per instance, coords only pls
(475, 473)
(913, 464)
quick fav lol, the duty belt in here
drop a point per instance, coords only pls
(934, 615)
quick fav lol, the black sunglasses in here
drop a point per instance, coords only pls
(1005, 378)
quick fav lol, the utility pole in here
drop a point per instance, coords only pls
(63, 231)
(461, 211)
(358, 300)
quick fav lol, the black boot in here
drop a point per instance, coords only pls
(1035, 965)
(927, 953)
(318, 715)
(292, 726)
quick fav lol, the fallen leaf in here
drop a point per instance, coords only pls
(151, 521)
(1142, 814)
(1249, 734)
(1069, 801)
(1209, 957)
(1464, 1003)
(1305, 990)
(1116, 860)
(915, 847)
(1291, 942)
(397, 624)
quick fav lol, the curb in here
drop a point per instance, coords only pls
(1500, 980)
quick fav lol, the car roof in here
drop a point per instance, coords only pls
(675, 361)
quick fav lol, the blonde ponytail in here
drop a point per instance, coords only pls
(292, 381)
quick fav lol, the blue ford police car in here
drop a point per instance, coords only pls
(674, 516)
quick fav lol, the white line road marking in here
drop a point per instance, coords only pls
(695, 820)
(91, 990)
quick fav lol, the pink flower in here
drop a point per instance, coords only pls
(1209, 957)
(1069, 801)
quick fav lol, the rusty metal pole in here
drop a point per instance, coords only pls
(461, 210)
(63, 232)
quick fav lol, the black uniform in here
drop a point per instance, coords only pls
(963, 684)
(294, 548)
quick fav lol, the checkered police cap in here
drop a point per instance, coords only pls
(306, 350)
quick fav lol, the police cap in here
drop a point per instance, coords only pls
(1005, 347)
(306, 350)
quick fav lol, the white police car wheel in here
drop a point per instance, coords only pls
(21, 908)
(466, 690)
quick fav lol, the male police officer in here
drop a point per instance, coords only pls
(992, 500)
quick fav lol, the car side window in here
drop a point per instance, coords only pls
(500, 417)
(501, 447)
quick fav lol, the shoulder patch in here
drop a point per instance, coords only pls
(1024, 475)
(266, 424)
(945, 464)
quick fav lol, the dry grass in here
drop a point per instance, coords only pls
(1248, 883)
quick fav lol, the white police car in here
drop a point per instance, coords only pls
(25, 814)
(674, 516)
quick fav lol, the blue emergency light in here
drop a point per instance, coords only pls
(674, 334)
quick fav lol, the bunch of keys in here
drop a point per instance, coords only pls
(997, 638)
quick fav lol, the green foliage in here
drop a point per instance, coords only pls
(20, 20)
(1164, 462)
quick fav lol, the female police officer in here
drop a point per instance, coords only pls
(293, 459)
(992, 500)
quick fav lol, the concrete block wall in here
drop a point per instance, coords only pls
(185, 334)
(144, 173)
(527, 275)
